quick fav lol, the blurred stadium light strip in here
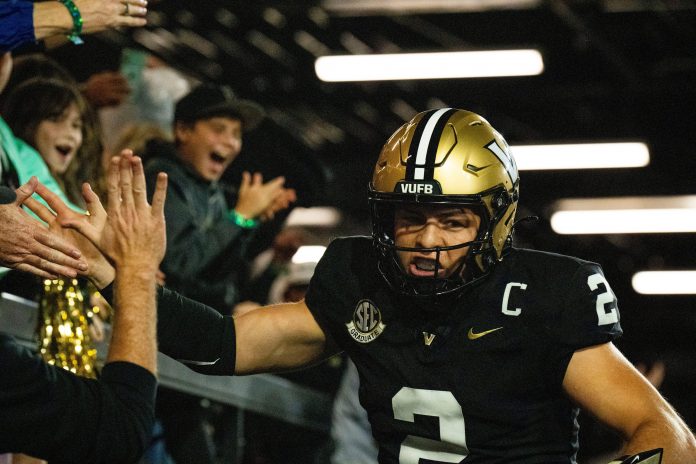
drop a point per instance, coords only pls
(625, 215)
(308, 254)
(318, 216)
(581, 156)
(665, 282)
(438, 65)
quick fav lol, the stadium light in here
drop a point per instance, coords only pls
(581, 156)
(317, 216)
(439, 65)
(627, 215)
(308, 254)
(665, 282)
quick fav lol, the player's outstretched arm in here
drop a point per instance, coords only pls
(268, 339)
(603, 382)
(277, 338)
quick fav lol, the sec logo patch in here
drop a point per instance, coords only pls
(367, 322)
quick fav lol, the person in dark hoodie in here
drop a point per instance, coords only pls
(207, 238)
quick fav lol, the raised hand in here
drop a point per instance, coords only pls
(27, 245)
(97, 226)
(134, 237)
(99, 271)
(282, 201)
(134, 234)
(257, 199)
(129, 223)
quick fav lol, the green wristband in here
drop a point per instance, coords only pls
(74, 36)
(241, 221)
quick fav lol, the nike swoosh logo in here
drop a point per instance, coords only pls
(473, 336)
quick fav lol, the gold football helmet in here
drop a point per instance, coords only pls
(445, 156)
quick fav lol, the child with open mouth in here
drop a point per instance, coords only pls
(49, 115)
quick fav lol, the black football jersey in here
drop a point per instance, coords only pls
(478, 380)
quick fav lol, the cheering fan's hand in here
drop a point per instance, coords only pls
(27, 245)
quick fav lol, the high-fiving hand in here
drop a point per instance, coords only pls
(130, 232)
(26, 244)
(129, 229)
(99, 270)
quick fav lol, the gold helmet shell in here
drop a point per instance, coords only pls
(448, 156)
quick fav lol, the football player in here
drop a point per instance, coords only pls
(467, 347)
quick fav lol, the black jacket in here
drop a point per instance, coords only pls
(205, 257)
(52, 414)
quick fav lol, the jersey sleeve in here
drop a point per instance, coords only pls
(338, 280)
(588, 313)
(192, 332)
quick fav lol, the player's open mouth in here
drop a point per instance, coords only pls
(425, 267)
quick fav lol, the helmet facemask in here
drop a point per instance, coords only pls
(464, 176)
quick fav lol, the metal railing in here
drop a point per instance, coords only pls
(261, 393)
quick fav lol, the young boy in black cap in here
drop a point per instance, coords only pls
(206, 238)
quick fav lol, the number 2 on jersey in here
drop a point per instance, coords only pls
(441, 404)
(606, 308)
(451, 447)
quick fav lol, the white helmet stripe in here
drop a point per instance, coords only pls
(421, 154)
